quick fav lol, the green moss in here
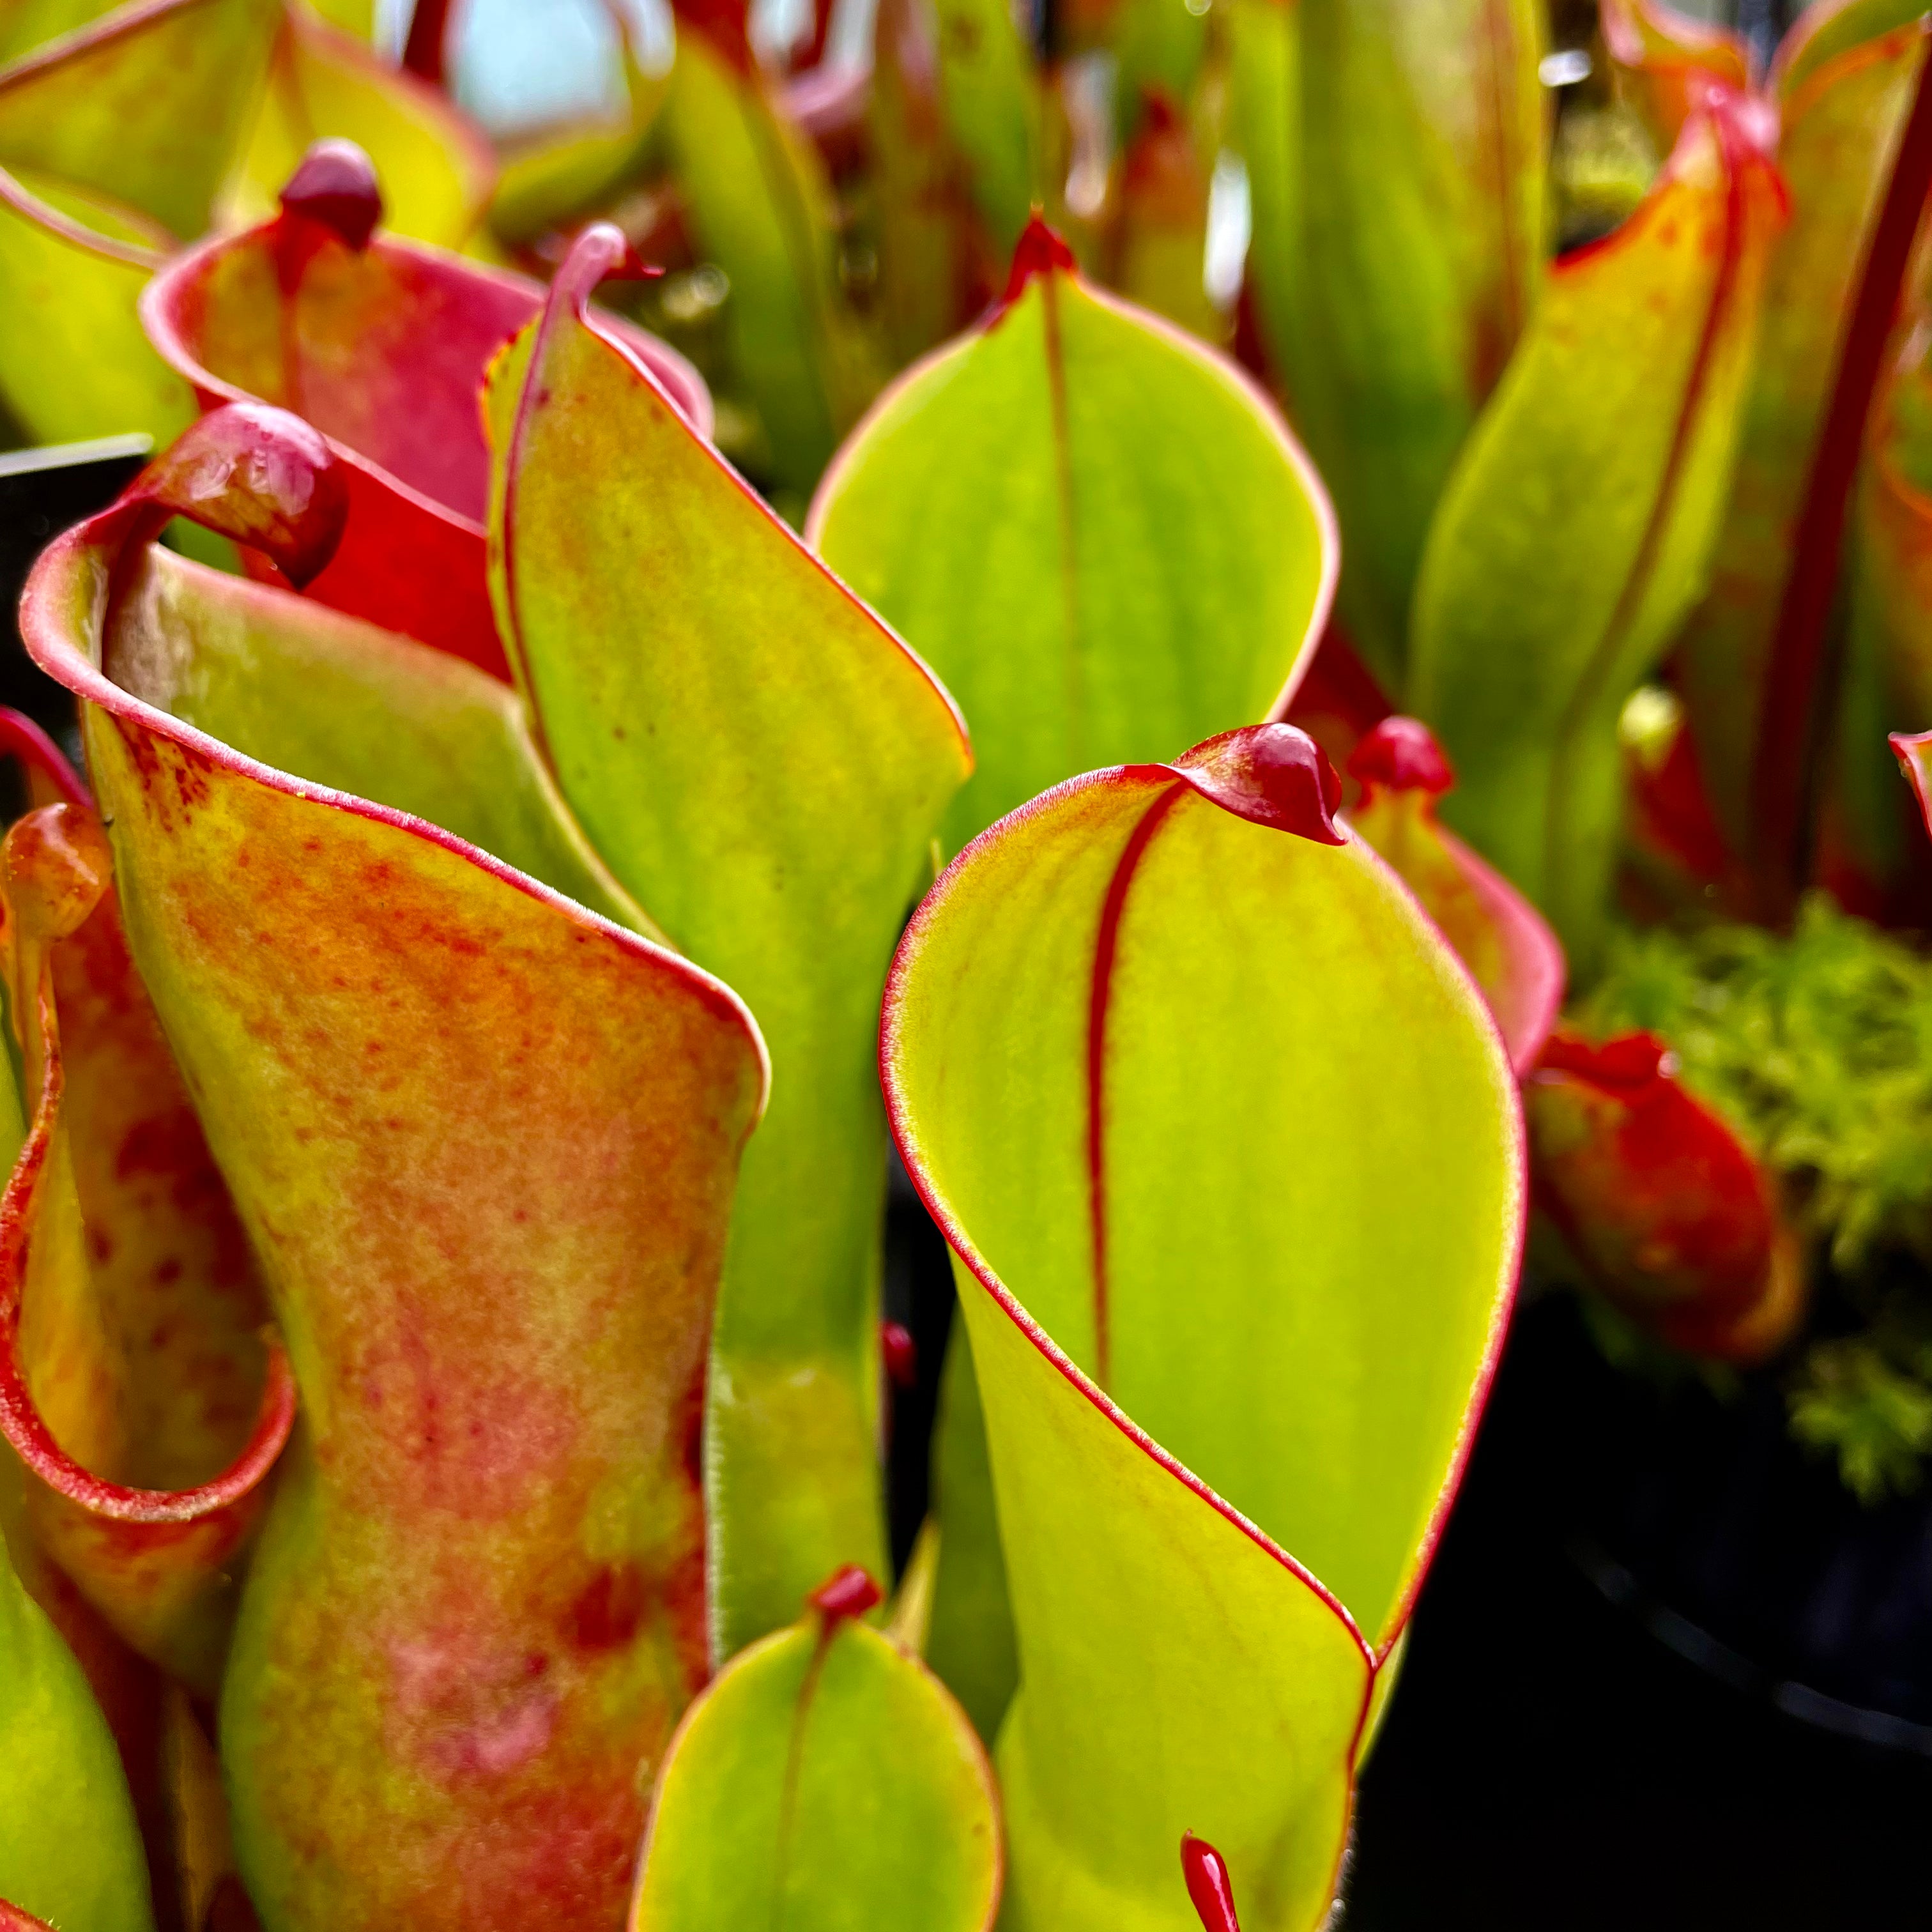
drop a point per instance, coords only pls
(1818, 1048)
(1851, 1398)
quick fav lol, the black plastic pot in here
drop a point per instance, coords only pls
(42, 492)
(1704, 1520)
(1664, 1673)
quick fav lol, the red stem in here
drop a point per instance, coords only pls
(428, 42)
(1798, 644)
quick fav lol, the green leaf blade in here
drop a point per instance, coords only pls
(1577, 528)
(1401, 244)
(1093, 528)
(1176, 1264)
(761, 207)
(969, 1641)
(1511, 953)
(74, 363)
(437, 170)
(763, 765)
(827, 1783)
(990, 97)
(145, 105)
(28, 24)
(70, 1852)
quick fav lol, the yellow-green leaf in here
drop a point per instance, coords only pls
(990, 101)
(144, 105)
(1398, 254)
(969, 1640)
(69, 1851)
(824, 1782)
(1160, 1050)
(74, 363)
(1576, 531)
(26, 24)
(1511, 953)
(437, 169)
(1095, 529)
(304, 689)
(759, 205)
(573, 171)
(763, 765)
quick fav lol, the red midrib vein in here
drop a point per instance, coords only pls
(794, 1753)
(1106, 944)
(1063, 464)
(1797, 643)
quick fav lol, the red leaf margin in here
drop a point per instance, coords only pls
(1041, 255)
(1171, 780)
